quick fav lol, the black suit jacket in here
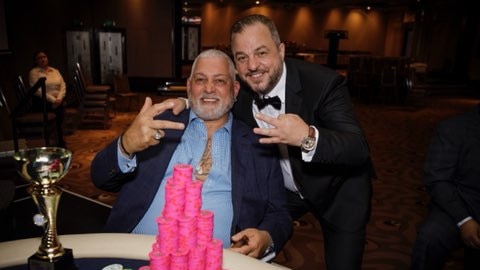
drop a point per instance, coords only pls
(258, 195)
(452, 168)
(320, 97)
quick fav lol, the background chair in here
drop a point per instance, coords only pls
(90, 88)
(87, 84)
(121, 87)
(388, 84)
(93, 108)
(26, 123)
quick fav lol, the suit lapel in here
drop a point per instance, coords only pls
(243, 107)
(293, 100)
(294, 104)
(169, 143)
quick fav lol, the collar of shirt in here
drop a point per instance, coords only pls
(43, 70)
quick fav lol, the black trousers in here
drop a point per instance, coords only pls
(343, 249)
(437, 239)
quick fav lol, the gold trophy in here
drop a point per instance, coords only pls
(43, 167)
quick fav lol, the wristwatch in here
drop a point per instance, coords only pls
(309, 142)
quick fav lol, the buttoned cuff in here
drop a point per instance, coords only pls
(269, 253)
(125, 163)
(459, 224)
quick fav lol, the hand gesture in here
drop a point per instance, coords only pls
(286, 128)
(179, 105)
(144, 130)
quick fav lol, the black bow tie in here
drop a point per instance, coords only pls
(263, 102)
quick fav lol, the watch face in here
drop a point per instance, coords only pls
(308, 143)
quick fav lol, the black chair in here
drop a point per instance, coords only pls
(93, 108)
(87, 84)
(388, 84)
(122, 90)
(27, 123)
(95, 91)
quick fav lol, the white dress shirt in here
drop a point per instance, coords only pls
(279, 90)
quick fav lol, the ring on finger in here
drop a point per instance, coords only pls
(157, 136)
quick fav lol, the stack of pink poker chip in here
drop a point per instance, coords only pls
(185, 232)
(205, 227)
(174, 194)
(193, 198)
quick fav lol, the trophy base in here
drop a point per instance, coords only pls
(62, 263)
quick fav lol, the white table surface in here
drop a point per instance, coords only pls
(113, 245)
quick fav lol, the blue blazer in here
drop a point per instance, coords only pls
(258, 195)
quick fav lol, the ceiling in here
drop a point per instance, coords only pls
(313, 3)
(195, 6)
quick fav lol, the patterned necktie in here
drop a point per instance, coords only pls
(203, 167)
(263, 102)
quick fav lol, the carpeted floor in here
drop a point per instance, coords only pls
(399, 138)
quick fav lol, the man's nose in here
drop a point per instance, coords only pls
(210, 86)
(253, 63)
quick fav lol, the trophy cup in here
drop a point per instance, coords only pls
(43, 167)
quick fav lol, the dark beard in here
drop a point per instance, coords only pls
(274, 79)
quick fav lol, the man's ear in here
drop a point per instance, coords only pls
(236, 88)
(281, 50)
(188, 87)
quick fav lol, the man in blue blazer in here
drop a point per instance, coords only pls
(244, 187)
(452, 178)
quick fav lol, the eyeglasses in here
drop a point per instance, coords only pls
(218, 81)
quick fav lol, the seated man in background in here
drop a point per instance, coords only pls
(56, 90)
(452, 177)
(243, 186)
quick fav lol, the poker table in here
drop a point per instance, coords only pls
(96, 250)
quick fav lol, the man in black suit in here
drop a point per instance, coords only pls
(452, 178)
(305, 108)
